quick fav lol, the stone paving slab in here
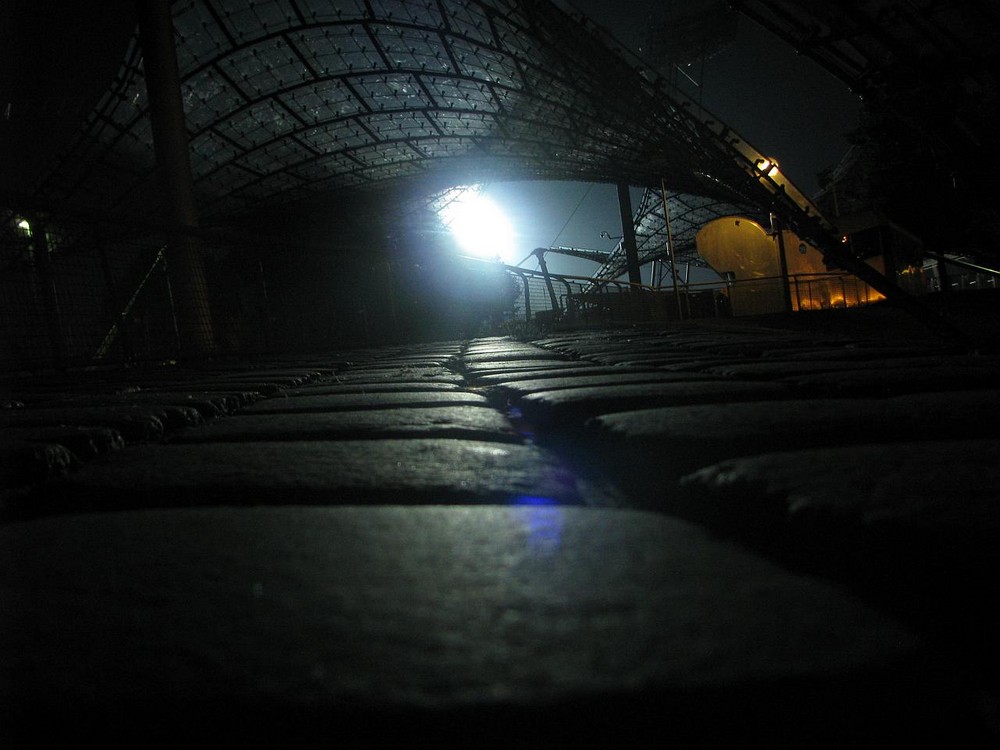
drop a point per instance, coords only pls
(657, 359)
(134, 423)
(368, 400)
(586, 347)
(794, 369)
(383, 367)
(665, 356)
(576, 405)
(437, 357)
(27, 461)
(246, 389)
(288, 381)
(297, 365)
(208, 406)
(507, 344)
(417, 471)
(533, 354)
(577, 369)
(85, 443)
(933, 485)
(398, 365)
(912, 526)
(619, 349)
(520, 625)
(172, 415)
(748, 346)
(896, 380)
(394, 375)
(866, 353)
(550, 360)
(699, 364)
(466, 422)
(266, 373)
(621, 377)
(668, 442)
(486, 369)
(331, 388)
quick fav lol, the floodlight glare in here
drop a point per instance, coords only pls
(480, 227)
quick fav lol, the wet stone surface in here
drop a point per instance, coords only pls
(577, 404)
(712, 530)
(349, 615)
(365, 400)
(409, 471)
(467, 422)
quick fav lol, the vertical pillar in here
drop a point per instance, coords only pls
(628, 234)
(264, 306)
(944, 278)
(670, 249)
(786, 289)
(170, 139)
(50, 299)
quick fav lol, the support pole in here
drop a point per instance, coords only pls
(120, 321)
(786, 289)
(540, 252)
(50, 297)
(628, 234)
(670, 249)
(170, 139)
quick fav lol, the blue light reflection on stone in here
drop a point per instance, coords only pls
(543, 521)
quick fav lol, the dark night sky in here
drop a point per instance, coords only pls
(784, 104)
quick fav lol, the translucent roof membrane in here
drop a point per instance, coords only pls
(284, 99)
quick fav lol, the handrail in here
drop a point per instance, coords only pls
(583, 279)
(962, 263)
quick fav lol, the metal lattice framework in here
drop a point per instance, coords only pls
(875, 46)
(286, 100)
(929, 70)
(687, 213)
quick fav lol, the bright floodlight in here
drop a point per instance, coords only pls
(479, 226)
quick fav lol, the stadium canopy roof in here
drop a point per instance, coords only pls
(292, 102)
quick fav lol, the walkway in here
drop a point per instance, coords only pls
(718, 532)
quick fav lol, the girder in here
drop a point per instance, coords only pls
(927, 71)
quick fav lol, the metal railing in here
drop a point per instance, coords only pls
(583, 300)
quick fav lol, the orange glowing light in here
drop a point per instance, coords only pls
(768, 166)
